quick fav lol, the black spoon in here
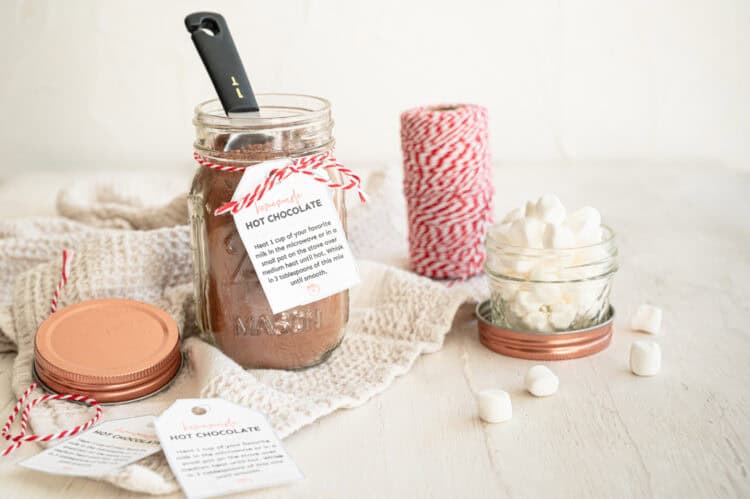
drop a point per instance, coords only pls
(215, 45)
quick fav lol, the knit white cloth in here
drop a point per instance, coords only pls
(131, 241)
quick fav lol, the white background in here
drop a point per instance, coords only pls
(113, 84)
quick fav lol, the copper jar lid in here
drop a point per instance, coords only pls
(543, 346)
(113, 349)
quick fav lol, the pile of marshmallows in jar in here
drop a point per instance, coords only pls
(550, 270)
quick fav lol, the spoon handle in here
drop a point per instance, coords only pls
(213, 40)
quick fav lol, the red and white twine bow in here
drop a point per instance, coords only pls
(311, 165)
(25, 410)
(448, 188)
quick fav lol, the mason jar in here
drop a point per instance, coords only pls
(550, 290)
(231, 307)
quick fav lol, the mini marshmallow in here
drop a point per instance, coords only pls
(522, 266)
(537, 321)
(495, 406)
(548, 293)
(586, 225)
(553, 264)
(647, 318)
(550, 209)
(525, 302)
(500, 233)
(540, 381)
(514, 265)
(589, 237)
(499, 229)
(513, 215)
(545, 292)
(585, 296)
(562, 315)
(645, 358)
(507, 290)
(530, 210)
(558, 236)
(526, 233)
(584, 219)
(494, 261)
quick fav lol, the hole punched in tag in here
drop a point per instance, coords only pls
(199, 411)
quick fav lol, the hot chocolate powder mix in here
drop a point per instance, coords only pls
(233, 311)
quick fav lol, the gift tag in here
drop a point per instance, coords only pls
(103, 449)
(294, 238)
(215, 447)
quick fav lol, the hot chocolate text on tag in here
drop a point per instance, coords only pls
(214, 433)
(282, 214)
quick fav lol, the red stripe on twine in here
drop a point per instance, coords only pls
(448, 188)
(21, 436)
(311, 165)
(67, 258)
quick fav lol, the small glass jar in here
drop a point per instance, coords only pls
(550, 290)
(232, 310)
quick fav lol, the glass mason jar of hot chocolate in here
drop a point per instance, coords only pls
(232, 310)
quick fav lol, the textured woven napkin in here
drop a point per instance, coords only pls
(130, 240)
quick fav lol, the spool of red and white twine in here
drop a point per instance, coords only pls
(25, 410)
(448, 188)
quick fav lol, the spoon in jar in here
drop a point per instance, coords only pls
(218, 52)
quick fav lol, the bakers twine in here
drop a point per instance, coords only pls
(25, 411)
(448, 188)
(309, 165)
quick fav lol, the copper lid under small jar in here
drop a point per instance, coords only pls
(543, 346)
(113, 349)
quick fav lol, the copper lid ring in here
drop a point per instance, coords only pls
(157, 386)
(114, 350)
(543, 346)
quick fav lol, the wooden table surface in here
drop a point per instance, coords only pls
(684, 240)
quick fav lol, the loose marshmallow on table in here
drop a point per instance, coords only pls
(647, 318)
(495, 406)
(645, 358)
(540, 381)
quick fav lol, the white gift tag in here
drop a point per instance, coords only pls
(294, 238)
(101, 450)
(215, 447)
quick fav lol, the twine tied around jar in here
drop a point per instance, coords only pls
(310, 165)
